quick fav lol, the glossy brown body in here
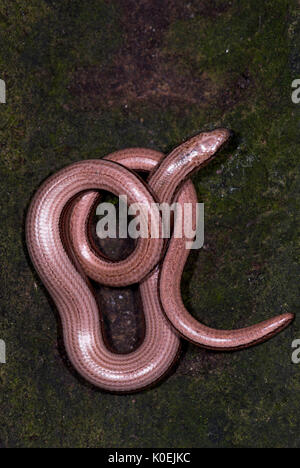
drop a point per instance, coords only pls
(159, 279)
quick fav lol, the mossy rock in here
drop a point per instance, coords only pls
(83, 81)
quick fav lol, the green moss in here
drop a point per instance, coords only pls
(246, 38)
(249, 269)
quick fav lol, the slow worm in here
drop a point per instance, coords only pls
(65, 260)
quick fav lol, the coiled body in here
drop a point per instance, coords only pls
(66, 261)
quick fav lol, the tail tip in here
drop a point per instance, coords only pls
(283, 321)
(288, 318)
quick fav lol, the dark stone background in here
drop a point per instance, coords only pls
(88, 78)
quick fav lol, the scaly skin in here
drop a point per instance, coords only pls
(67, 280)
